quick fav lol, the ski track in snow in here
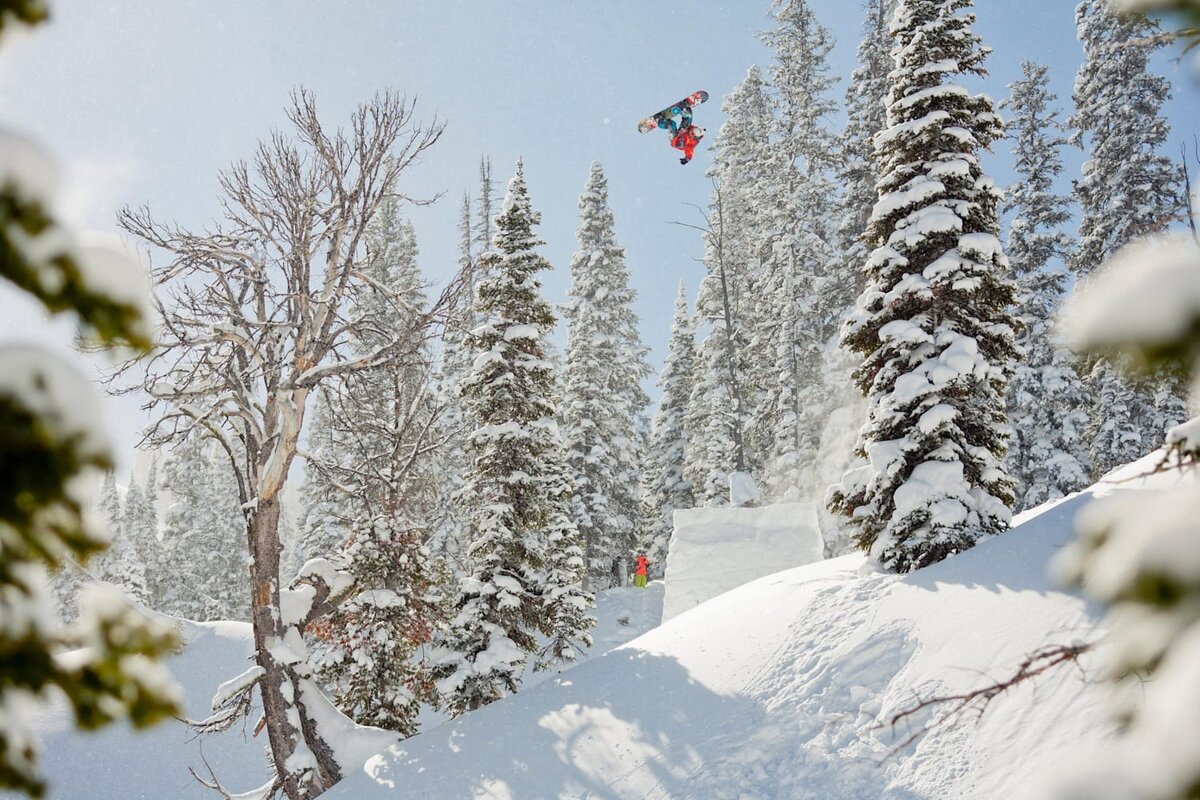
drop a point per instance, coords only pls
(815, 709)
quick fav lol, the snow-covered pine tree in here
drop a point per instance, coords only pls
(137, 535)
(1047, 401)
(667, 487)
(602, 400)
(370, 431)
(450, 516)
(501, 605)
(386, 415)
(325, 516)
(223, 528)
(794, 311)
(932, 322)
(1128, 189)
(203, 541)
(375, 476)
(146, 536)
(804, 221)
(485, 218)
(566, 604)
(716, 415)
(121, 565)
(866, 112)
(110, 503)
(371, 646)
(150, 490)
(842, 408)
(715, 418)
(744, 172)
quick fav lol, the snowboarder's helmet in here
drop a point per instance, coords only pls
(697, 131)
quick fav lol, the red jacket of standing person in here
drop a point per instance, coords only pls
(686, 140)
(641, 565)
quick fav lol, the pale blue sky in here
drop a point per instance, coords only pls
(144, 100)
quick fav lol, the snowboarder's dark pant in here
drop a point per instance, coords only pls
(669, 123)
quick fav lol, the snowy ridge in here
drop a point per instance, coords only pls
(784, 688)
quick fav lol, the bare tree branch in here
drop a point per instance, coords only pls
(976, 701)
(259, 310)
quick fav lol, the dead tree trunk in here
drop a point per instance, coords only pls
(257, 313)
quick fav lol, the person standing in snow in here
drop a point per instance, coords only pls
(639, 573)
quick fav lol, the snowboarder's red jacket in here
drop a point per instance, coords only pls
(685, 141)
(641, 560)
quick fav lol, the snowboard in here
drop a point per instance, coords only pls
(694, 99)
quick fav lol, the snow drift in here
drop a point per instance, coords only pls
(784, 688)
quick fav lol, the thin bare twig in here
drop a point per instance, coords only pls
(976, 701)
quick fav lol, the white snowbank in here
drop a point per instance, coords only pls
(714, 550)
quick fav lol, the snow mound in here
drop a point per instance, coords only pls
(714, 550)
(784, 688)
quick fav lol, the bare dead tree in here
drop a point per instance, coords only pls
(257, 312)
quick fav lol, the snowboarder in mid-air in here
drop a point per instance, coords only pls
(684, 135)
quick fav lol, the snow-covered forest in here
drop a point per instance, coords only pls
(892, 497)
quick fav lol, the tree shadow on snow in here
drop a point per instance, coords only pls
(620, 726)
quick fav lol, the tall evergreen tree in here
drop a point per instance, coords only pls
(203, 540)
(1128, 189)
(121, 565)
(797, 295)
(1047, 402)
(603, 399)
(866, 112)
(369, 651)
(110, 503)
(375, 477)
(140, 542)
(932, 322)
(506, 600)
(326, 517)
(667, 486)
(716, 415)
(450, 526)
(370, 431)
(485, 221)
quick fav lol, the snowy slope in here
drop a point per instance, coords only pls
(118, 763)
(782, 689)
(714, 550)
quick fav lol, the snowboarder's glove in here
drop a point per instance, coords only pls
(683, 160)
